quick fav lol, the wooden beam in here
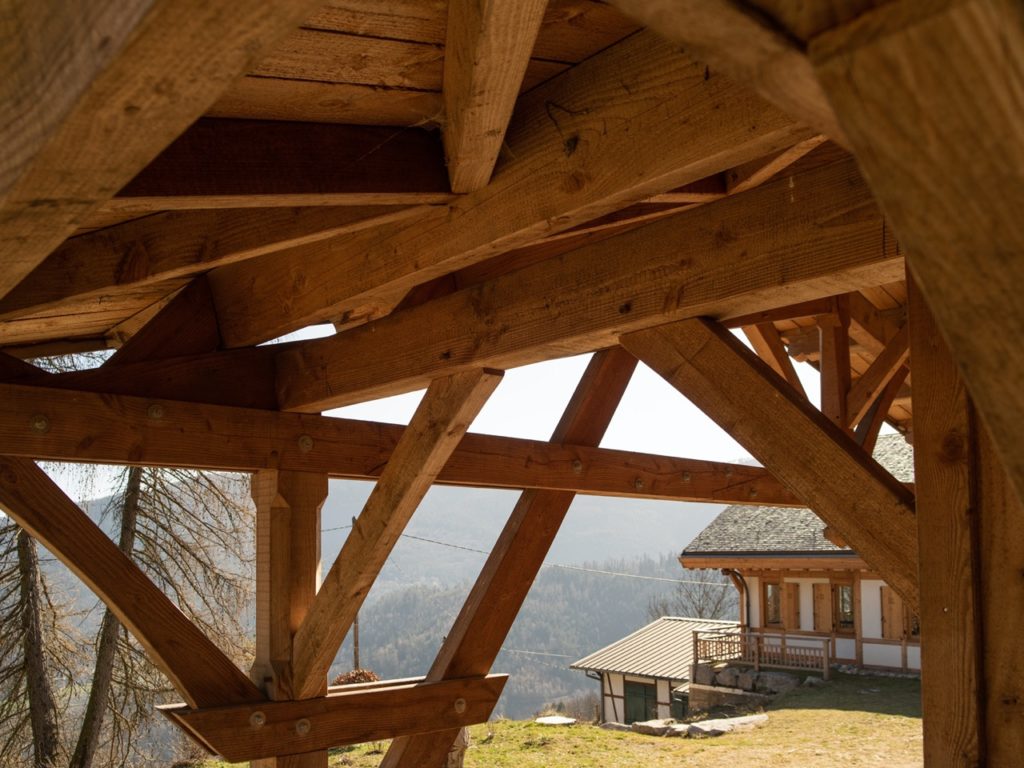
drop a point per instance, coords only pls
(193, 664)
(486, 51)
(186, 326)
(834, 361)
(474, 641)
(440, 421)
(104, 428)
(951, 657)
(773, 246)
(737, 39)
(83, 118)
(566, 142)
(805, 450)
(347, 715)
(767, 343)
(87, 270)
(269, 164)
(947, 169)
(749, 175)
(287, 578)
(866, 389)
(866, 433)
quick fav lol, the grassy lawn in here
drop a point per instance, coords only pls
(853, 722)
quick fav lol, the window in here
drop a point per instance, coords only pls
(772, 604)
(843, 617)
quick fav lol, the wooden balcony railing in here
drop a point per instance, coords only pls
(770, 651)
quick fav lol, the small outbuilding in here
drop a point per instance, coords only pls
(645, 675)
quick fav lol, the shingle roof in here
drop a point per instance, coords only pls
(662, 649)
(790, 530)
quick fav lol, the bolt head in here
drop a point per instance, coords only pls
(257, 719)
(460, 706)
(303, 727)
(155, 411)
(40, 423)
(305, 443)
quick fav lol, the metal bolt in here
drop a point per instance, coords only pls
(460, 706)
(577, 466)
(305, 443)
(753, 493)
(302, 727)
(686, 477)
(40, 423)
(155, 411)
(257, 719)
(638, 484)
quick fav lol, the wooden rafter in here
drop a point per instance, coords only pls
(566, 141)
(191, 661)
(440, 421)
(767, 343)
(104, 428)
(737, 39)
(756, 172)
(955, 203)
(487, 48)
(346, 715)
(775, 245)
(472, 644)
(187, 325)
(273, 164)
(86, 271)
(866, 433)
(806, 451)
(84, 122)
(869, 385)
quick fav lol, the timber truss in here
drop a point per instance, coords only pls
(464, 187)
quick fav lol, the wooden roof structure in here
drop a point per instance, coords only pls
(463, 187)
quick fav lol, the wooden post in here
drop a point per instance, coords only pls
(826, 670)
(287, 578)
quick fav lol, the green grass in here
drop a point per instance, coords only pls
(853, 722)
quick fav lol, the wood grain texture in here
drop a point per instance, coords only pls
(105, 428)
(122, 86)
(270, 164)
(308, 101)
(751, 52)
(476, 637)
(951, 651)
(89, 270)
(834, 361)
(869, 385)
(347, 715)
(487, 50)
(948, 169)
(442, 418)
(796, 238)
(767, 343)
(815, 458)
(573, 155)
(195, 666)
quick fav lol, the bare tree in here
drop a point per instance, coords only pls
(704, 594)
(192, 534)
(38, 655)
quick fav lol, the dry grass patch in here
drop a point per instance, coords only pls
(853, 722)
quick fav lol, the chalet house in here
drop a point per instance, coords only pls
(803, 593)
(643, 675)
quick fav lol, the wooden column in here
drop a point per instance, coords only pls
(971, 557)
(287, 578)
